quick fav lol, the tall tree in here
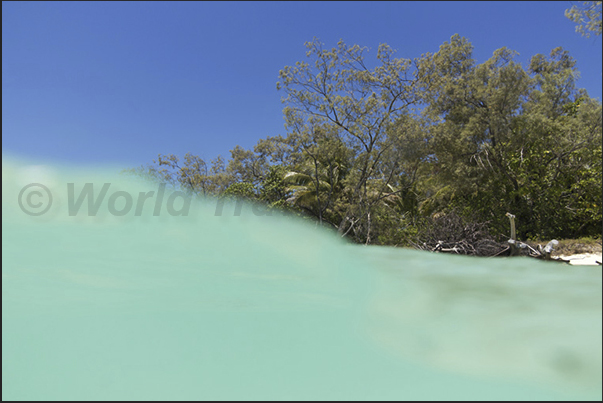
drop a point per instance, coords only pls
(509, 140)
(337, 93)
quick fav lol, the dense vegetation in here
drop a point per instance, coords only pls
(379, 149)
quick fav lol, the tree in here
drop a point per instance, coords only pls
(247, 166)
(565, 201)
(587, 17)
(273, 190)
(316, 178)
(338, 94)
(473, 110)
(384, 153)
(240, 190)
(507, 140)
(192, 174)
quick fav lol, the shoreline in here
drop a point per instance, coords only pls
(583, 259)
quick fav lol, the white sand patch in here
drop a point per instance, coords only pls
(584, 259)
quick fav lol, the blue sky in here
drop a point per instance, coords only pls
(119, 83)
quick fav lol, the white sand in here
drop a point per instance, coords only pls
(583, 259)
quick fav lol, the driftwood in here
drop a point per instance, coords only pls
(451, 234)
(540, 253)
(517, 248)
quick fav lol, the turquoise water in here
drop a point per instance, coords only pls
(267, 307)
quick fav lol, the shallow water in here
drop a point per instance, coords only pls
(266, 307)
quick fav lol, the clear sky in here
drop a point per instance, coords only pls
(120, 82)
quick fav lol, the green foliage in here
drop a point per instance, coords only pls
(337, 109)
(240, 190)
(510, 140)
(587, 17)
(381, 154)
(192, 174)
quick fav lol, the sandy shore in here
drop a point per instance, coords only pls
(583, 259)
